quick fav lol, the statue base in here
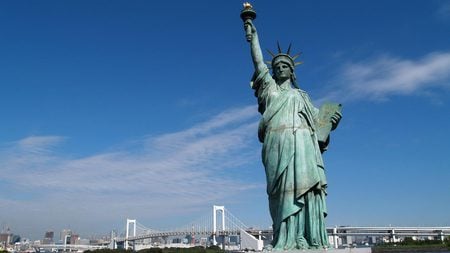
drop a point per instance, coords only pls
(329, 250)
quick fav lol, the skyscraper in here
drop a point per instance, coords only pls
(48, 237)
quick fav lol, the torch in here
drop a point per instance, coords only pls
(248, 14)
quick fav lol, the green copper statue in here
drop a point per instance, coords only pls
(294, 135)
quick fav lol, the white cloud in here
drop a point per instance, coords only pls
(39, 143)
(385, 76)
(162, 176)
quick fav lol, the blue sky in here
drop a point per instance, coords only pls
(117, 109)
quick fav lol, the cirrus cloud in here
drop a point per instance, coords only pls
(380, 78)
(161, 176)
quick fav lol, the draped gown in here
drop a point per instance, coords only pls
(296, 183)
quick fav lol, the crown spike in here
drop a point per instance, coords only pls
(289, 48)
(298, 63)
(279, 48)
(271, 53)
(296, 56)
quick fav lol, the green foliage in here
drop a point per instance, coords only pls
(409, 245)
(215, 248)
(109, 251)
(151, 250)
(198, 249)
(447, 242)
(408, 241)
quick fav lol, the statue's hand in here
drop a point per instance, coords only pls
(335, 120)
(249, 29)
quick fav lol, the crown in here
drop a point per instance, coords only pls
(283, 57)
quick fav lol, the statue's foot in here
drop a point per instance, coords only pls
(291, 245)
(302, 243)
(315, 245)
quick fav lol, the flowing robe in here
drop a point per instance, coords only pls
(293, 164)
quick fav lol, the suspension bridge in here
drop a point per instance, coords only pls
(207, 230)
(216, 226)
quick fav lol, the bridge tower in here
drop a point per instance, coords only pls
(127, 235)
(216, 209)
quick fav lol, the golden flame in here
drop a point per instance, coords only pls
(247, 5)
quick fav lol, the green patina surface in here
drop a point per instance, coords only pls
(294, 134)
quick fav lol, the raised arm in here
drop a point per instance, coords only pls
(255, 48)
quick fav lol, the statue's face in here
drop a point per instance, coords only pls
(282, 71)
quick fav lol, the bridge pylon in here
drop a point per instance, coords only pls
(216, 209)
(127, 234)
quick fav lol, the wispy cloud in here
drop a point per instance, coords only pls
(37, 144)
(379, 78)
(161, 176)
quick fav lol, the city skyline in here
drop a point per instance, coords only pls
(143, 110)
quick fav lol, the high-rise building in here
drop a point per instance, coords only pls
(5, 238)
(48, 237)
(74, 239)
(65, 236)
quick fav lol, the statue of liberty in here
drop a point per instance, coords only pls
(294, 135)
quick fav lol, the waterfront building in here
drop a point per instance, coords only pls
(74, 239)
(48, 237)
(5, 238)
(65, 236)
